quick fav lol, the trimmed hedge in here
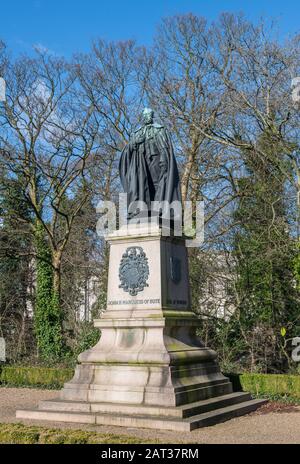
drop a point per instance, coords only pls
(22, 434)
(272, 385)
(45, 377)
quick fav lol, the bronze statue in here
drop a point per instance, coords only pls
(148, 168)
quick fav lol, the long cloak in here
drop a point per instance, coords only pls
(146, 142)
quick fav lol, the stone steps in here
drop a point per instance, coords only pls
(181, 418)
(211, 404)
(184, 411)
(224, 414)
(181, 425)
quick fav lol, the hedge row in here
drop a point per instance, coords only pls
(258, 384)
(43, 377)
(272, 385)
(22, 434)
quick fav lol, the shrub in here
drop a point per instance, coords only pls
(87, 338)
(272, 385)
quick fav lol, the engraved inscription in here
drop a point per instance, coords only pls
(130, 302)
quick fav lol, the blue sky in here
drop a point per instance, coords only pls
(65, 26)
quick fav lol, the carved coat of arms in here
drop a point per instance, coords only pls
(133, 270)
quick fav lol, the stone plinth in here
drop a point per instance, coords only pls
(149, 368)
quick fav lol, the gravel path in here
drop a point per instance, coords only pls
(272, 427)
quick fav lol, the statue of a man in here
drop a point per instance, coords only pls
(148, 168)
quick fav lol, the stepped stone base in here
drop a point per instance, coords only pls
(149, 368)
(181, 418)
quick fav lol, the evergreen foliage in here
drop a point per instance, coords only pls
(48, 316)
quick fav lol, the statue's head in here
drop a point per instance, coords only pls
(147, 115)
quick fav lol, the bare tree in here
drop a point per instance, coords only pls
(108, 77)
(48, 136)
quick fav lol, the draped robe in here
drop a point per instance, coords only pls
(148, 168)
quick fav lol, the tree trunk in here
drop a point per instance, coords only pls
(185, 178)
(56, 263)
(189, 166)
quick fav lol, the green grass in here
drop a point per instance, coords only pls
(41, 377)
(22, 434)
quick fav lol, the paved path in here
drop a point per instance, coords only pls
(273, 427)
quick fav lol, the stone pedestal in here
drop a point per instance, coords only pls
(149, 368)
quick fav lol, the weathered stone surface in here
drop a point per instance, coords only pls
(161, 292)
(148, 365)
(158, 418)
